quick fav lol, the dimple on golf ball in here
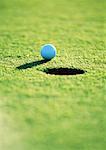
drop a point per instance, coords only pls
(48, 51)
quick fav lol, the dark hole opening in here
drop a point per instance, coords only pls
(64, 71)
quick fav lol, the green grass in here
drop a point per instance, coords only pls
(47, 112)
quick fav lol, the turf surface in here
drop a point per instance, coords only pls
(39, 111)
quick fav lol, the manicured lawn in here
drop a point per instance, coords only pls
(39, 111)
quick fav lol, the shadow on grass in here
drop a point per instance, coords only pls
(52, 71)
(64, 71)
(31, 64)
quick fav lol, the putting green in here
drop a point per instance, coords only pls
(39, 111)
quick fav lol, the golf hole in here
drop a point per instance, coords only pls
(64, 71)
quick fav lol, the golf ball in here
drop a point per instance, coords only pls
(48, 51)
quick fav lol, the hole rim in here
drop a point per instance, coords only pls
(61, 71)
